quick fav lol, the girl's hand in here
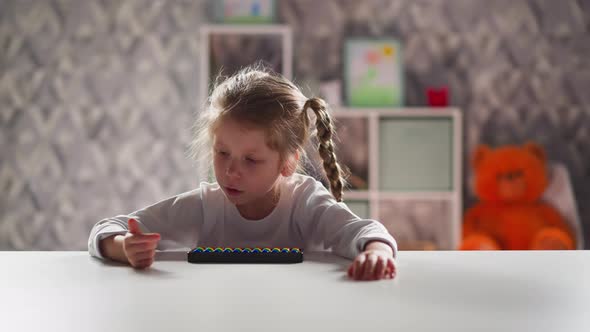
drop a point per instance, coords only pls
(375, 263)
(139, 248)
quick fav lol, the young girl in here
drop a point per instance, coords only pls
(258, 124)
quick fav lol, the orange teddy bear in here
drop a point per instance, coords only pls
(510, 181)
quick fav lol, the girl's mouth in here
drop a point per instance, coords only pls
(232, 192)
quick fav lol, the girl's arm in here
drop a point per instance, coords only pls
(177, 219)
(374, 263)
(379, 246)
(135, 248)
(323, 220)
(112, 247)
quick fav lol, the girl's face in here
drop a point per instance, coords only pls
(245, 167)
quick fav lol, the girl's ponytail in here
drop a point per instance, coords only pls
(325, 131)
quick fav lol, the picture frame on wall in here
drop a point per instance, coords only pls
(225, 49)
(373, 73)
(245, 11)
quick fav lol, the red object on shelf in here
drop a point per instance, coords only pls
(438, 97)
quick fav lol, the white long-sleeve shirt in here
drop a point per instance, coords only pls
(307, 216)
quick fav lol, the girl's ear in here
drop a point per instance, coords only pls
(290, 165)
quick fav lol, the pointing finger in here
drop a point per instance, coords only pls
(133, 226)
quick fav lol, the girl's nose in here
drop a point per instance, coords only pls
(232, 168)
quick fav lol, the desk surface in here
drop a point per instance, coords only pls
(434, 291)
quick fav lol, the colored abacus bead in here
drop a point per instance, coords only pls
(241, 255)
(247, 250)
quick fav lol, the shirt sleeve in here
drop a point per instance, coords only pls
(177, 219)
(322, 219)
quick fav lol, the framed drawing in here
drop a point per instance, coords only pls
(373, 73)
(245, 11)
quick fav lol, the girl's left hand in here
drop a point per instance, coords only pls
(373, 264)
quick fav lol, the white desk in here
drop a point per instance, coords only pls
(434, 291)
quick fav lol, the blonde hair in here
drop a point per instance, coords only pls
(261, 99)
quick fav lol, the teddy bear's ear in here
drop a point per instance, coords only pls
(480, 152)
(536, 150)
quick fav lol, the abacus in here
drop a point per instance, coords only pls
(245, 255)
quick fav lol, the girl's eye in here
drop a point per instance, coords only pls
(222, 153)
(251, 161)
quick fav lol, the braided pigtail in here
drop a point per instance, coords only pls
(325, 131)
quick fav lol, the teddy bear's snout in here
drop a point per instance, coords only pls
(512, 186)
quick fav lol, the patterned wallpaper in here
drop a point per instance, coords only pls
(97, 97)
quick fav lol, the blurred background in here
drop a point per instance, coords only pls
(97, 97)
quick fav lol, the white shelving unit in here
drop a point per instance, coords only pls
(437, 179)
